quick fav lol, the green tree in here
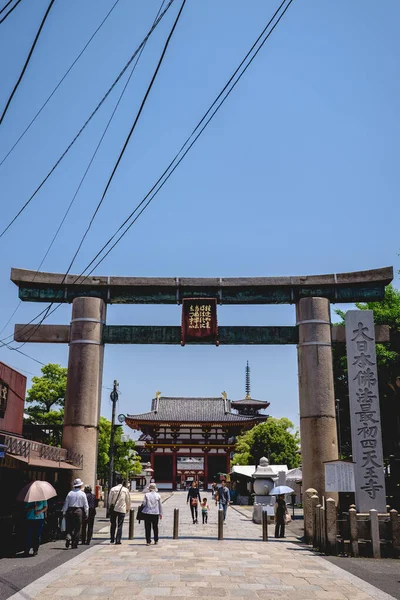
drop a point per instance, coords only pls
(48, 390)
(274, 439)
(125, 458)
(386, 312)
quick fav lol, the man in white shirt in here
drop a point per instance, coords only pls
(75, 506)
(119, 502)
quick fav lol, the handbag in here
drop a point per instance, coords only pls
(288, 518)
(140, 514)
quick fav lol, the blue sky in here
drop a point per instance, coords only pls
(297, 174)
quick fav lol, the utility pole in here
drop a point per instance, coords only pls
(114, 400)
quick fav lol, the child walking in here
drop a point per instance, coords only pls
(204, 510)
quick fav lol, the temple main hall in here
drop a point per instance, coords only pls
(192, 439)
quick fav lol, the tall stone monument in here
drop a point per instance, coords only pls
(365, 416)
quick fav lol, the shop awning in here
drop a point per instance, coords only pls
(42, 463)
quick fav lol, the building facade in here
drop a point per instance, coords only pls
(190, 439)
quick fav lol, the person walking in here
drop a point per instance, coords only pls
(204, 510)
(194, 498)
(152, 511)
(75, 509)
(119, 503)
(35, 513)
(87, 525)
(223, 498)
(280, 512)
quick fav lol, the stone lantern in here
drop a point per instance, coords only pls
(264, 478)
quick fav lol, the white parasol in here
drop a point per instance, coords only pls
(35, 491)
(281, 489)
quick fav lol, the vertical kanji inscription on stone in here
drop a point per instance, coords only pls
(365, 416)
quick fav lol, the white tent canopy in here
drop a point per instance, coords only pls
(294, 475)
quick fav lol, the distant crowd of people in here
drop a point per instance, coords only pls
(79, 510)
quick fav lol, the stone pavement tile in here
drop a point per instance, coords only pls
(252, 586)
(139, 577)
(155, 592)
(334, 595)
(268, 580)
(71, 592)
(98, 591)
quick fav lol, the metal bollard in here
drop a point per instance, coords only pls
(264, 521)
(220, 524)
(131, 523)
(176, 524)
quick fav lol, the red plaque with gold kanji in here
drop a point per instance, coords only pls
(199, 320)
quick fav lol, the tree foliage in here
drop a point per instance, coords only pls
(386, 312)
(47, 391)
(125, 458)
(274, 439)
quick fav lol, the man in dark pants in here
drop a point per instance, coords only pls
(120, 501)
(87, 525)
(75, 507)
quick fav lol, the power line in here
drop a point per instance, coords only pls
(27, 60)
(46, 311)
(10, 11)
(59, 83)
(167, 170)
(87, 121)
(23, 353)
(161, 59)
(131, 130)
(82, 180)
(185, 144)
(5, 6)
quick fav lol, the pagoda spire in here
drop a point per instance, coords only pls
(248, 381)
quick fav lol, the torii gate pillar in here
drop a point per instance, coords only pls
(83, 395)
(316, 391)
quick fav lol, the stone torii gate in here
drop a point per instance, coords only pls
(88, 332)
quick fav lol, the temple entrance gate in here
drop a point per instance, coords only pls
(88, 332)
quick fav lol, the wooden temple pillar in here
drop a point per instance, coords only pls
(174, 469)
(205, 478)
(83, 393)
(228, 461)
(152, 460)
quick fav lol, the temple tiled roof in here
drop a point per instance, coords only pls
(259, 404)
(189, 410)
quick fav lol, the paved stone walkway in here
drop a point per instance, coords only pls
(197, 565)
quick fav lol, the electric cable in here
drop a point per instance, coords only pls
(188, 139)
(59, 83)
(93, 156)
(88, 120)
(160, 61)
(10, 11)
(27, 61)
(187, 150)
(90, 164)
(142, 105)
(81, 182)
(36, 326)
(5, 6)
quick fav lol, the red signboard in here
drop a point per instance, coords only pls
(199, 320)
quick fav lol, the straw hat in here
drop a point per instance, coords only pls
(152, 487)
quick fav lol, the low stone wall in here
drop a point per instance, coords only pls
(373, 534)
